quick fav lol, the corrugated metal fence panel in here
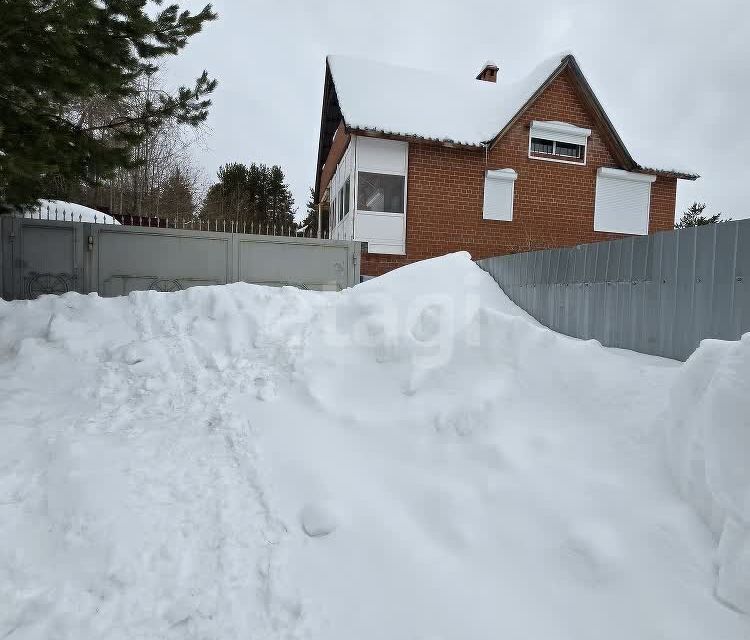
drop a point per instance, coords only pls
(50, 256)
(660, 294)
(742, 280)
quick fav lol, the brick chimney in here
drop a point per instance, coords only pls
(488, 72)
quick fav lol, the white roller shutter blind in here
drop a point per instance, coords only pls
(560, 132)
(622, 201)
(377, 155)
(498, 194)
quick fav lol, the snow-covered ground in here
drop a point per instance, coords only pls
(410, 459)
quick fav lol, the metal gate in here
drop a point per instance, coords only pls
(51, 256)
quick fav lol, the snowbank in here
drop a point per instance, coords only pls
(71, 211)
(410, 458)
(709, 447)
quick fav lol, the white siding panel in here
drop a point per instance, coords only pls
(622, 202)
(381, 156)
(383, 232)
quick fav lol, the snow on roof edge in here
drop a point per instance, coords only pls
(433, 106)
(682, 174)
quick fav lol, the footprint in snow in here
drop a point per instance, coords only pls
(593, 552)
(318, 520)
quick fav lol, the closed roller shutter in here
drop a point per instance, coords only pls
(498, 194)
(622, 201)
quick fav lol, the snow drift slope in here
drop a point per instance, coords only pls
(413, 458)
(709, 450)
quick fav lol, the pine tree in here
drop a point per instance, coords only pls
(257, 197)
(74, 88)
(280, 200)
(310, 223)
(693, 217)
(229, 199)
(176, 196)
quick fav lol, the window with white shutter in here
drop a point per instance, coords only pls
(622, 201)
(498, 194)
(558, 142)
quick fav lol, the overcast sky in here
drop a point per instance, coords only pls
(674, 76)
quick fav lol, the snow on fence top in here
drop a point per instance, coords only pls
(74, 212)
(61, 211)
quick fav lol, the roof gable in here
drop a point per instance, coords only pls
(569, 72)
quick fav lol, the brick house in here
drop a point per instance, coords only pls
(419, 165)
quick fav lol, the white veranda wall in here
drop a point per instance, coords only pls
(368, 194)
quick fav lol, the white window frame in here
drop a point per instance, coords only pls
(382, 173)
(499, 175)
(558, 132)
(381, 169)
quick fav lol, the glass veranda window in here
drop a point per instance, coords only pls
(347, 196)
(380, 192)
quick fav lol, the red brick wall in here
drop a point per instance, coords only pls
(553, 204)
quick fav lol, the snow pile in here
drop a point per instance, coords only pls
(709, 446)
(70, 211)
(412, 458)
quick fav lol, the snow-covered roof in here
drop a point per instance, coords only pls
(404, 101)
(70, 211)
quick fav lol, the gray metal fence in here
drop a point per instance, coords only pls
(660, 294)
(55, 256)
